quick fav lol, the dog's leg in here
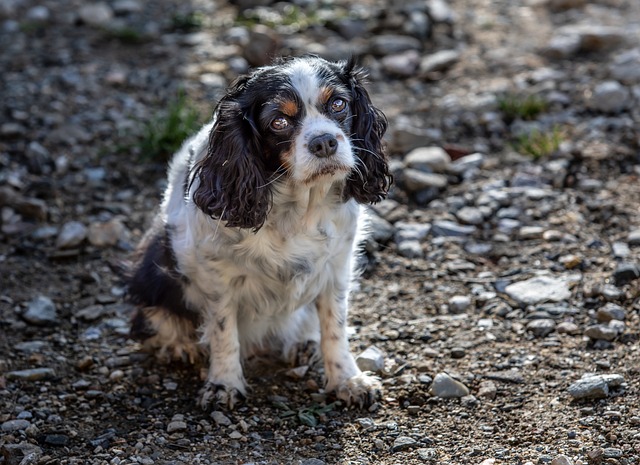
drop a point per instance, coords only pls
(225, 385)
(342, 374)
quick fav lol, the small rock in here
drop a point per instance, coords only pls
(446, 387)
(410, 249)
(620, 250)
(610, 97)
(403, 443)
(388, 44)
(487, 390)
(539, 289)
(470, 215)
(71, 235)
(562, 460)
(427, 454)
(610, 312)
(91, 313)
(125, 7)
(415, 180)
(14, 425)
(41, 311)
(428, 159)
(568, 327)
(458, 352)
(372, 359)
(542, 327)
(594, 386)
(381, 230)
(634, 237)
(626, 67)
(23, 453)
(439, 61)
(312, 461)
(570, 261)
(530, 232)
(401, 64)
(96, 14)
(176, 426)
(220, 418)
(108, 233)
(459, 304)
(445, 228)
(612, 453)
(38, 14)
(604, 332)
(625, 273)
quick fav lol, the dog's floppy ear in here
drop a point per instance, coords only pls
(369, 182)
(232, 179)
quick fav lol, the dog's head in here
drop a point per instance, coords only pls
(305, 119)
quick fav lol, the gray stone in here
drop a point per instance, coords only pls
(220, 418)
(312, 461)
(467, 164)
(91, 313)
(402, 64)
(31, 346)
(440, 12)
(539, 289)
(388, 44)
(381, 230)
(415, 181)
(562, 460)
(634, 237)
(625, 273)
(567, 327)
(71, 235)
(610, 312)
(410, 249)
(439, 61)
(562, 46)
(96, 14)
(445, 228)
(541, 327)
(41, 311)
(626, 67)
(604, 332)
(176, 426)
(530, 232)
(446, 387)
(610, 97)
(38, 14)
(14, 425)
(470, 215)
(20, 454)
(124, 7)
(402, 443)
(411, 231)
(371, 359)
(620, 250)
(108, 233)
(428, 159)
(594, 386)
(32, 374)
(459, 304)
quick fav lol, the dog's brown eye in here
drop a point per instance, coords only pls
(338, 105)
(280, 124)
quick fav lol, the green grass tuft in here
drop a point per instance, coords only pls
(517, 107)
(539, 144)
(163, 135)
(187, 22)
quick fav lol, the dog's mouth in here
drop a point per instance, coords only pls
(329, 170)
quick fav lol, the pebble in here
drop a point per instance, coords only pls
(71, 235)
(610, 312)
(610, 97)
(594, 386)
(487, 390)
(541, 327)
(626, 67)
(605, 332)
(96, 14)
(402, 64)
(446, 228)
(220, 418)
(41, 311)
(446, 387)
(14, 425)
(415, 180)
(539, 289)
(381, 230)
(625, 273)
(16, 454)
(428, 159)
(561, 460)
(470, 215)
(403, 443)
(633, 238)
(176, 426)
(530, 232)
(620, 250)
(568, 327)
(371, 359)
(459, 304)
(91, 313)
(388, 44)
(108, 233)
(439, 61)
(38, 14)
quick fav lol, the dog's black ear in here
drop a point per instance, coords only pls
(369, 182)
(232, 178)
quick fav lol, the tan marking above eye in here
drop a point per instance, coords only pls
(325, 95)
(280, 123)
(289, 107)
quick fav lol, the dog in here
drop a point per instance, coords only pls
(252, 249)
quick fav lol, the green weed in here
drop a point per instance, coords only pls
(539, 144)
(163, 135)
(517, 107)
(187, 22)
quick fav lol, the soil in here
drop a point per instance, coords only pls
(81, 91)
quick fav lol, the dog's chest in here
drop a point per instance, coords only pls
(281, 270)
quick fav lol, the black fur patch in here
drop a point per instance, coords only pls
(156, 282)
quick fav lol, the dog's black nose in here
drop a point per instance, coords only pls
(323, 146)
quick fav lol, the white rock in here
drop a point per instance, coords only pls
(372, 359)
(41, 311)
(446, 387)
(439, 61)
(429, 159)
(610, 97)
(71, 235)
(96, 14)
(539, 289)
(415, 180)
(459, 304)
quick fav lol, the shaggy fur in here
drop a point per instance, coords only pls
(252, 248)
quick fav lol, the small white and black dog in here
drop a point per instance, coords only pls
(252, 248)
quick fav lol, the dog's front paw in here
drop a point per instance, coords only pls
(361, 390)
(219, 395)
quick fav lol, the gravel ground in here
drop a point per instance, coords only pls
(500, 297)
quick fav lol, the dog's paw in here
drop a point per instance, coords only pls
(218, 395)
(304, 353)
(360, 390)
